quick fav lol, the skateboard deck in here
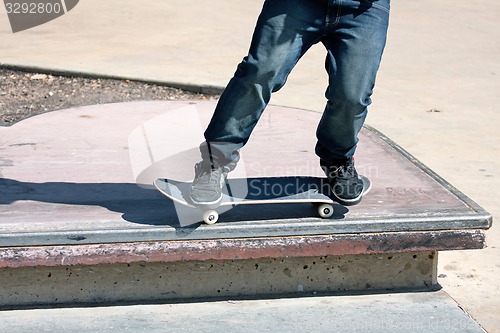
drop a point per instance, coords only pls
(262, 190)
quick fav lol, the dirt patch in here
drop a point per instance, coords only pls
(26, 94)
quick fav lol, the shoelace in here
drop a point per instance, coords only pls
(345, 171)
(206, 175)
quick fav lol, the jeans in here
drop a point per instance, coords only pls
(354, 35)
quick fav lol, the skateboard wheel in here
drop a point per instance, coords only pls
(325, 210)
(210, 216)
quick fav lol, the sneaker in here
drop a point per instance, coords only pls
(346, 185)
(209, 180)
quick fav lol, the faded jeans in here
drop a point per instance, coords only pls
(354, 35)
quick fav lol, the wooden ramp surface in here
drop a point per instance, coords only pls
(68, 178)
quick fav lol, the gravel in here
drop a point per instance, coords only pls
(27, 94)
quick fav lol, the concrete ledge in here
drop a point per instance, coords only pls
(78, 222)
(237, 249)
(32, 286)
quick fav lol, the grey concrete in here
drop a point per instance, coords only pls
(139, 282)
(441, 55)
(405, 312)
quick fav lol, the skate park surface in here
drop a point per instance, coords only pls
(436, 95)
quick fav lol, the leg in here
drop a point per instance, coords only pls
(355, 41)
(284, 31)
(355, 45)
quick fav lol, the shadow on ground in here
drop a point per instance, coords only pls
(141, 205)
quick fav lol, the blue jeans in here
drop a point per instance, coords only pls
(353, 33)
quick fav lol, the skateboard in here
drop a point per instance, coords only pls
(262, 190)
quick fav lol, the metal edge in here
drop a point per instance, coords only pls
(308, 227)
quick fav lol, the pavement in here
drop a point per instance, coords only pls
(388, 313)
(436, 94)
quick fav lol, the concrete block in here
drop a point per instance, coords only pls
(143, 282)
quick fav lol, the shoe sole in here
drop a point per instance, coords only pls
(208, 204)
(348, 202)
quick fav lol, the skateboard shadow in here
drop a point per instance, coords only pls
(136, 204)
(141, 205)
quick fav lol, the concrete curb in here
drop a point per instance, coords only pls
(196, 88)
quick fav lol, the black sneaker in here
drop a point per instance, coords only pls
(209, 180)
(346, 185)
